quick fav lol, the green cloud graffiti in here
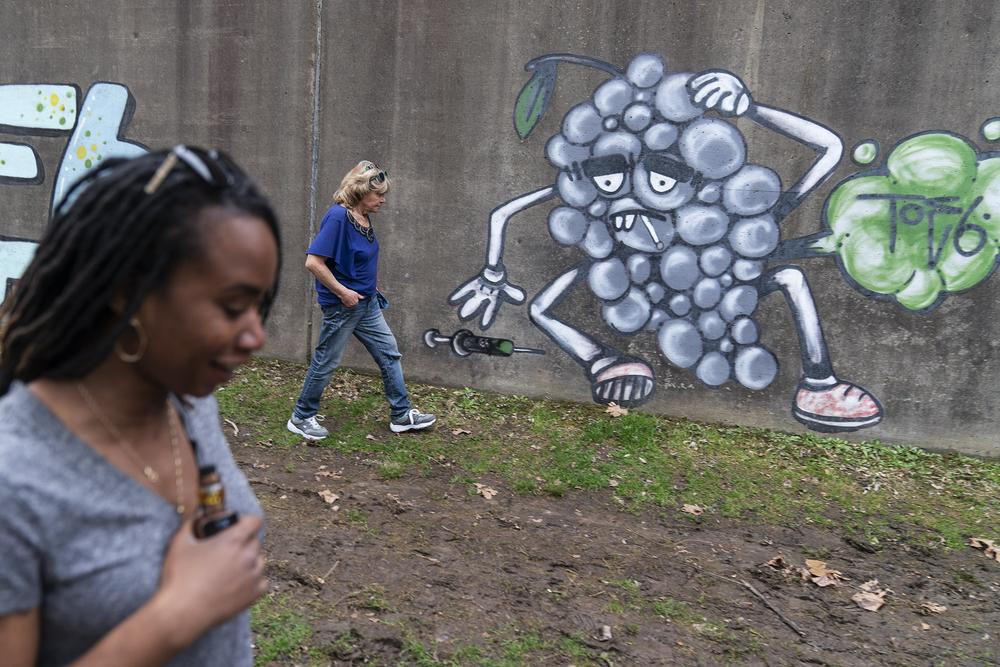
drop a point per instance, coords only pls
(925, 225)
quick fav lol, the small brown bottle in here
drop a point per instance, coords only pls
(212, 514)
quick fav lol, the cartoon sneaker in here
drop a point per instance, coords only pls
(840, 407)
(622, 380)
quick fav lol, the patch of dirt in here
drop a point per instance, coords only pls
(425, 559)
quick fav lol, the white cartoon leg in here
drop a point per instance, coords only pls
(613, 376)
(822, 402)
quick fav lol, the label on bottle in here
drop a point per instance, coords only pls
(212, 495)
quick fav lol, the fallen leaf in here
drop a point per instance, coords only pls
(817, 572)
(872, 596)
(460, 431)
(613, 482)
(693, 509)
(616, 410)
(817, 568)
(485, 491)
(924, 626)
(826, 580)
(778, 562)
(369, 437)
(988, 547)
(869, 601)
(605, 634)
(871, 586)
(329, 496)
(236, 429)
(932, 608)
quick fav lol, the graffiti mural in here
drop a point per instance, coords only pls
(463, 343)
(677, 228)
(96, 131)
(39, 109)
(923, 226)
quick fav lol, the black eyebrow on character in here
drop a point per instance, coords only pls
(668, 166)
(605, 164)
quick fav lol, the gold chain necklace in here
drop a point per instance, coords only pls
(147, 469)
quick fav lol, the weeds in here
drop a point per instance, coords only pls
(280, 631)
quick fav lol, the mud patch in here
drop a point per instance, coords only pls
(422, 569)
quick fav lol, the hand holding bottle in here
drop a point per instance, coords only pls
(207, 581)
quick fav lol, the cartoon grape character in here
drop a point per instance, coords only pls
(677, 228)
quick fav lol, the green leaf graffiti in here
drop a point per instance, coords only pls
(924, 226)
(533, 99)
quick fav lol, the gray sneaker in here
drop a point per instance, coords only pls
(308, 428)
(414, 420)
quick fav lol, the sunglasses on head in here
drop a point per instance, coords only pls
(378, 178)
(207, 165)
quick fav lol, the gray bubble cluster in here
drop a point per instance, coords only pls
(681, 258)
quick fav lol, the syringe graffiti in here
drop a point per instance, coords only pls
(95, 132)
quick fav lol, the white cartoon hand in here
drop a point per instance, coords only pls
(484, 293)
(720, 90)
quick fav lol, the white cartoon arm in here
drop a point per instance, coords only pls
(725, 93)
(484, 292)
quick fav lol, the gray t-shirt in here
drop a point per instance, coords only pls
(85, 542)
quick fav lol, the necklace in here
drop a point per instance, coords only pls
(147, 470)
(368, 232)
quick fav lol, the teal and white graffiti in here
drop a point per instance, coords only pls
(95, 129)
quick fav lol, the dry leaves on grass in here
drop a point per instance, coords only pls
(696, 510)
(988, 547)
(485, 491)
(460, 431)
(328, 496)
(616, 410)
(871, 596)
(817, 572)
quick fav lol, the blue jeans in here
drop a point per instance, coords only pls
(368, 325)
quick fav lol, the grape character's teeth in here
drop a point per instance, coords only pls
(629, 220)
(618, 221)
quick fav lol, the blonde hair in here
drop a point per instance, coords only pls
(357, 183)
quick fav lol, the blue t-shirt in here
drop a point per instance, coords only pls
(350, 256)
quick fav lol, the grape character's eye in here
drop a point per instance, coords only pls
(665, 171)
(609, 183)
(661, 182)
(607, 171)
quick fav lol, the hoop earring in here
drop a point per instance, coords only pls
(140, 333)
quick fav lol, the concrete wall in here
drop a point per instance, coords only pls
(298, 91)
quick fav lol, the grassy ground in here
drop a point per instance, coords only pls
(874, 491)
(875, 495)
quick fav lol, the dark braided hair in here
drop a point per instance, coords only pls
(118, 235)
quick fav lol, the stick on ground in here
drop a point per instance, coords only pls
(787, 621)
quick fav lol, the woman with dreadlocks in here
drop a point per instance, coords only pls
(148, 289)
